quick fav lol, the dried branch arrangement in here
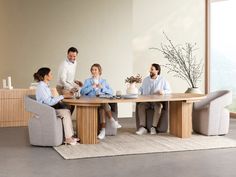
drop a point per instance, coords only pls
(182, 61)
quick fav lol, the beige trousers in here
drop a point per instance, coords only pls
(142, 107)
(67, 121)
(104, 108)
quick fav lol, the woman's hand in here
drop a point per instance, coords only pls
(100, 86)
(67, 94)
(94, 85)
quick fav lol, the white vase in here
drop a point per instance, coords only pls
(193, 90)
(132, 89)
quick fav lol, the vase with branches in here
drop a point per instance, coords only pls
(182, 61)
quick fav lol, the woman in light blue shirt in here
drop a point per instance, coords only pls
(44, 96)
(96, 86)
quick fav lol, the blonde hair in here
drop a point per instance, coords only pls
(97, 66)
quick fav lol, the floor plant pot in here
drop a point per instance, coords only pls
(193, 90)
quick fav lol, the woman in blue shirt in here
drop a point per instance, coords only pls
(96, 86)
(44, 96)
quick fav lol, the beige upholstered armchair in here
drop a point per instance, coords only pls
(210, 117)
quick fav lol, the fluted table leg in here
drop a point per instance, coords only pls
(87, 123)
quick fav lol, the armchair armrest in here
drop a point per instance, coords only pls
(223, 100)
(41, 110)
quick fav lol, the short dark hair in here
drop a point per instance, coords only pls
(97, 66)
(72, 49)
(158, 67)
(39, 75)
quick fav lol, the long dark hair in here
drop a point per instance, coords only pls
(39, 75)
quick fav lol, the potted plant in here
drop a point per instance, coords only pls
(183, 63)
(132, 80)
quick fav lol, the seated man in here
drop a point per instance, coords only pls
(153, 84)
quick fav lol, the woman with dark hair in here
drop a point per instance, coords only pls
(44, 95)
(96, 86)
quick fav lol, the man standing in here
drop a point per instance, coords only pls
(66, 73)
(152, 84)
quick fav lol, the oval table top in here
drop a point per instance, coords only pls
(188, 97)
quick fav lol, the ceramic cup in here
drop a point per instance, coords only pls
(118, 93)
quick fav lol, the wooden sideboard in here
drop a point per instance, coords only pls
(12, 110)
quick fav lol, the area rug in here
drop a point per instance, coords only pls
(127, 143)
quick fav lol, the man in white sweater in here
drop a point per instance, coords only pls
(66, 73)
(152, 84)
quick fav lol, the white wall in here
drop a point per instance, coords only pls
(38, 33)
(182, 20)
(114, 33)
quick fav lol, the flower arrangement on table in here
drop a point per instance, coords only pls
(134, 79)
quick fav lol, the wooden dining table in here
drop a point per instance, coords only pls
(180, 113)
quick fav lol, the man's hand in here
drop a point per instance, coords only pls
(160, 92)
(73, 90)
(79, 83)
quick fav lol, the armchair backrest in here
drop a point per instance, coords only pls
(222, 97)
(41, 111)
